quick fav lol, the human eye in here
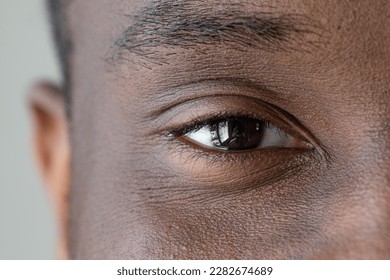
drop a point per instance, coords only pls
(226, 137)
(239, 133)
(230, 126)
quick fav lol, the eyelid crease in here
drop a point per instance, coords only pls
(235, 86)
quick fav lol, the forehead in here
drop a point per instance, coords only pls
(352, 31)
(334, 15)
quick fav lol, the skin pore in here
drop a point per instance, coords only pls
(303, 88)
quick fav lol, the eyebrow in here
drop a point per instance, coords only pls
(163, 27)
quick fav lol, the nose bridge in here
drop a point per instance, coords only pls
(380, 171)
(385, 156)
(373, 175)
(376, 152)
(382, 141)
(372, 126)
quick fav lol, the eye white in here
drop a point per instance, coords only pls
(211, 136)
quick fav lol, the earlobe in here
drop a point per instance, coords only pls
(52, 150)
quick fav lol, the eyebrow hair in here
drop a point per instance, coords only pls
(163, 26)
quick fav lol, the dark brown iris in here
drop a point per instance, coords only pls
(237, 133)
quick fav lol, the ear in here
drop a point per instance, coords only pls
(52, 150)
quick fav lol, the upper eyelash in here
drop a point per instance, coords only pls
(197, 124)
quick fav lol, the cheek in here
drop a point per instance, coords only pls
(303, 216)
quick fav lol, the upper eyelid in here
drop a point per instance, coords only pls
(215, 106)
(213, 87)
(201, 112)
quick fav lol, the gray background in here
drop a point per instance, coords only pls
(26, 55)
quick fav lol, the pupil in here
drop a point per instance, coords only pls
(237, 133)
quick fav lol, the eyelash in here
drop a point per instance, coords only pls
(198, 123)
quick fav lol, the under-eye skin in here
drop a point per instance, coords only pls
(238, 133)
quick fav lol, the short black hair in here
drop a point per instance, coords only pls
(63, 43)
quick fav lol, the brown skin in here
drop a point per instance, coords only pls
(136, 193)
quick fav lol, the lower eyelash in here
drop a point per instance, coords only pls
(191, 155)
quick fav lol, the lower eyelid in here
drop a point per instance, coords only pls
(183, 146)
(208, 166)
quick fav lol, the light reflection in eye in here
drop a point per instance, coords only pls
(240, 133)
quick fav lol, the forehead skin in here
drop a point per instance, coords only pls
(135, 194)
